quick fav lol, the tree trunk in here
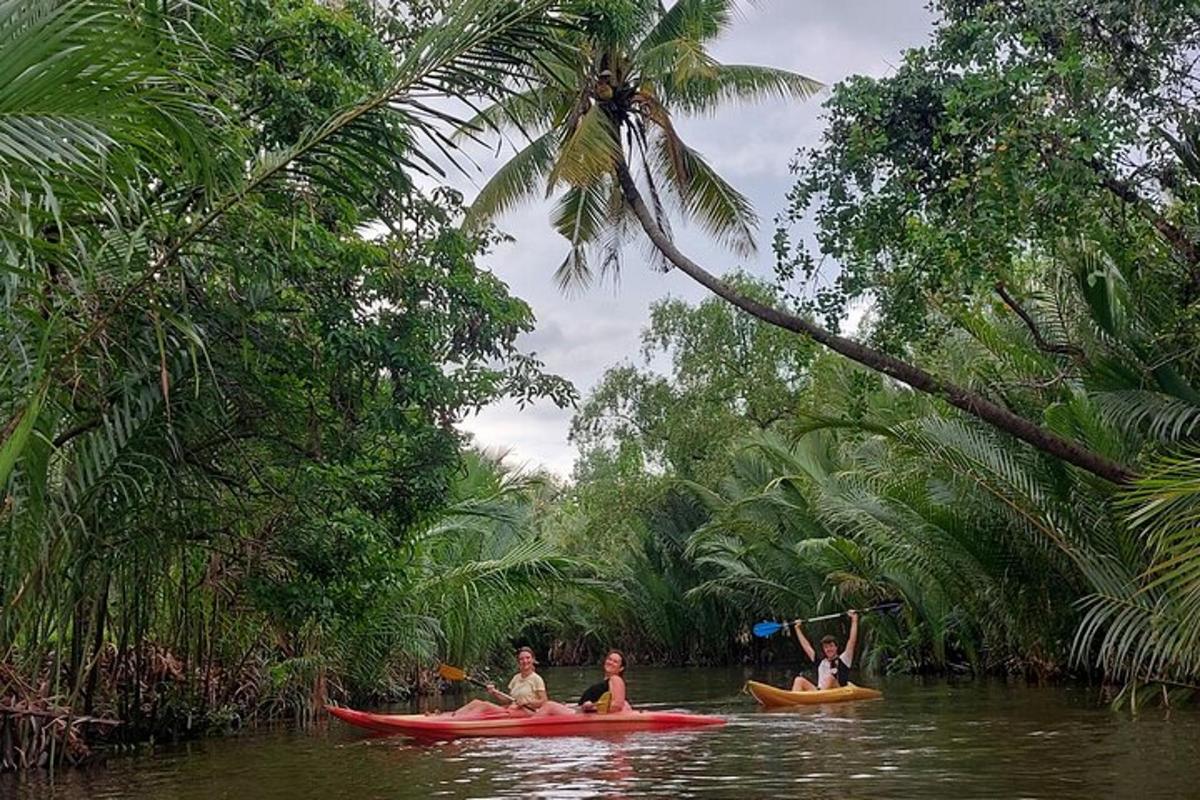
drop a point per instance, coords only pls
(89, 693)
(957, 396)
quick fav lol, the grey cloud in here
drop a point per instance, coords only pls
(535, 436)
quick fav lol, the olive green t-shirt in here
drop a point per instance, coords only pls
(525, 689)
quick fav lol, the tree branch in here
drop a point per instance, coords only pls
(1184, 246)
(1043, 345)
(78, 430)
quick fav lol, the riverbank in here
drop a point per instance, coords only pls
(933, 738)
(151, 698)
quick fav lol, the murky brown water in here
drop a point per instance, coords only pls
(934, 739)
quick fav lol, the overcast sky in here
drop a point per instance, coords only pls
(580, 335)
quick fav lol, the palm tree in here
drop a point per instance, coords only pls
(603, 114)
(631, 62)
(1147, 628)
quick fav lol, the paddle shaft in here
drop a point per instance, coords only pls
(834, 615)
(880, 607)
(766, 629)
(483, 685)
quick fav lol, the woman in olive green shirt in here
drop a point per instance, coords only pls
(527, 690)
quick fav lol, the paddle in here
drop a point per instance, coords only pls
(458, 674)
(767, 628)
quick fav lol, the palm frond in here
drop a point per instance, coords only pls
(517, 180)
(701, 93)
(665, 136)
(680, 59)
(84, 96)
(527, 112)
(581, 217)
(725, 213)
(67, 72)
(1157, 416)
(697, 21)
(1164, 506)
(588, 151)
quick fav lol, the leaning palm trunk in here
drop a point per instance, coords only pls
(957, 396)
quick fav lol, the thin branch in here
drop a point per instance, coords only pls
(1040, 340)
(1186, 248)
(78, 430)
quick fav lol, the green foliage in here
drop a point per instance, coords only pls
(1020, 128)
(237, 342)
(859, 492)
(729, 374)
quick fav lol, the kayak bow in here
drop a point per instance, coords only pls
(774, 697)
(443, 726)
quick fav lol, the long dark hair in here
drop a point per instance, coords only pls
(623, 662)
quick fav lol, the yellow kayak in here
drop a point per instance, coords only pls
(774, 697)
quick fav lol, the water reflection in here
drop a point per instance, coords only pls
(578, 767)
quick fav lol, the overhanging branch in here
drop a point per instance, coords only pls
(973, 403)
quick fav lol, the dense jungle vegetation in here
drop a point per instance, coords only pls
(237, 338)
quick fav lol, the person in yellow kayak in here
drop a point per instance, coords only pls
(527, 690)
(605, 697)
(833, 668)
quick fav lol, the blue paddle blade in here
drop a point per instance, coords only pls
(764, 629)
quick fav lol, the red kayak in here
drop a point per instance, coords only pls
(444, 726)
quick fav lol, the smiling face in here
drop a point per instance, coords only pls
(614, 664)
(829, 649)
(525, 662)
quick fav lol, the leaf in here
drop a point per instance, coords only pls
(725, 213)
(14, 445)
(515, 181)
(580, 216)
(589, 151)
(704, 93)
(690, 20)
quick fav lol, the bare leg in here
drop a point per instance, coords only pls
(553, 709)
(518, 711)
(480, 708)
(803, 684)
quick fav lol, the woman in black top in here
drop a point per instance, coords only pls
(604, 697)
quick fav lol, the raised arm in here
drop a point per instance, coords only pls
(852, 642)
(804, 643)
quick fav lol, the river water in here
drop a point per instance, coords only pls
(927, 739)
